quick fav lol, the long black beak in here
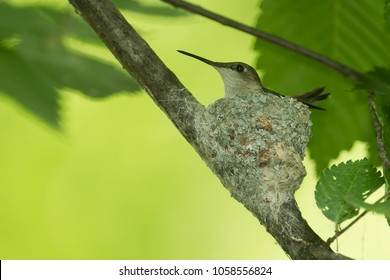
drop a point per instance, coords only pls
(209, 62)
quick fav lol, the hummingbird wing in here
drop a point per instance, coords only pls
(310, 97)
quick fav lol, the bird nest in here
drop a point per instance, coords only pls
(256, 143)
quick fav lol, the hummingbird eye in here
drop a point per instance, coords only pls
(239, 68)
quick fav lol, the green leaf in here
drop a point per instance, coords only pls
(351, 32)
(377, 80)
(35, 63)
(340, 184)
(29, 89)
(387, 14)
(380, 207)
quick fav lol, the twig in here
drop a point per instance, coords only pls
(341, 68)
(379, 132)
(340, 232)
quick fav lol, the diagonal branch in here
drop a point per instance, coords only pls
(292, 232)
(142, 63)
(335, 65)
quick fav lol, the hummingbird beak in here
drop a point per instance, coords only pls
(209, 62)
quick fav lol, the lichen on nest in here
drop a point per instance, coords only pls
(257, 142)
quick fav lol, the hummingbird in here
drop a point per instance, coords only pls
(241, 78)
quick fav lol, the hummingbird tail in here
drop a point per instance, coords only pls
(308, 98)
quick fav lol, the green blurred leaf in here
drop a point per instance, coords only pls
(377, 80)
(340, 184)
(387, 14)
(35, 63)
(350, 32)
(27, 87)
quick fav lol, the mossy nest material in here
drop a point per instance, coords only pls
(257, 141)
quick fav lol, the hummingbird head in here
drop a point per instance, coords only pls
(238, 77)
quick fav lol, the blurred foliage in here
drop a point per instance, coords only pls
(351, 32)
(342, 189)
(387, 14)
(36, 63)
(377, 80)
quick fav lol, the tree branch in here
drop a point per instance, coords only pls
(142, 63)
(283, 220)
(335, 65)
(379, 133)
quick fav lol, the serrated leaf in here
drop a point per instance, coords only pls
(346, 31)
(35, 63)
(350, 181)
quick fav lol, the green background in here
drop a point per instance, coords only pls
(118, 181)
